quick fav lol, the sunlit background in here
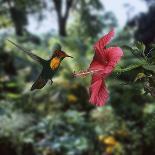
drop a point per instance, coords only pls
(58, 119)
(121, 9)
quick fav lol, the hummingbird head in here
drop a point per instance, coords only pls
(61, 54)
(58, 52)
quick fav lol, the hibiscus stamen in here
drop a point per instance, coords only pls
(84, 73)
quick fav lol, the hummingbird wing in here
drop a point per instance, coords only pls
(28, 52)
(39, 83)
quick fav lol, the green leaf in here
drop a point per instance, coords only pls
(139, 76)
(133, 50)
(141, 47)
(129, 68)
(126, 47)
(11, 84)
(13, 95)
(149, 67)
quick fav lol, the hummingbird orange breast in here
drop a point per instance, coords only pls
(54, 63)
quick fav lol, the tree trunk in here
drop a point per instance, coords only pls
(18, 16)
(19, 19)
(62, 27)
(62, 19)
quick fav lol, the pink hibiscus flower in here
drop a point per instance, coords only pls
(103, 63)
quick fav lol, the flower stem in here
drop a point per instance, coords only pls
(131, 67)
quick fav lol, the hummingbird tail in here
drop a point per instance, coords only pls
(28, 52)
(39, 83)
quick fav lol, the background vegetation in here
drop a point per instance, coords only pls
(58, 120)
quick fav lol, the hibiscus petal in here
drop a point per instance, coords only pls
(99, 58)
(98, 91)
(99, 45)
(110, 58)
(96, 65)
(113, 55)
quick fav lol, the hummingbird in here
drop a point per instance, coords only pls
(49, 67)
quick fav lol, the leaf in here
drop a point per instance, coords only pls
(134, 51)
(126, 47)
(141, 47)
(13, 96)
(129, 68)
(11, 84)
(149, 67)
(139, 76)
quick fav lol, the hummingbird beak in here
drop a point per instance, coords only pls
(68, 56)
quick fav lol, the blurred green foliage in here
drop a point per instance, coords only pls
(58, 120)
